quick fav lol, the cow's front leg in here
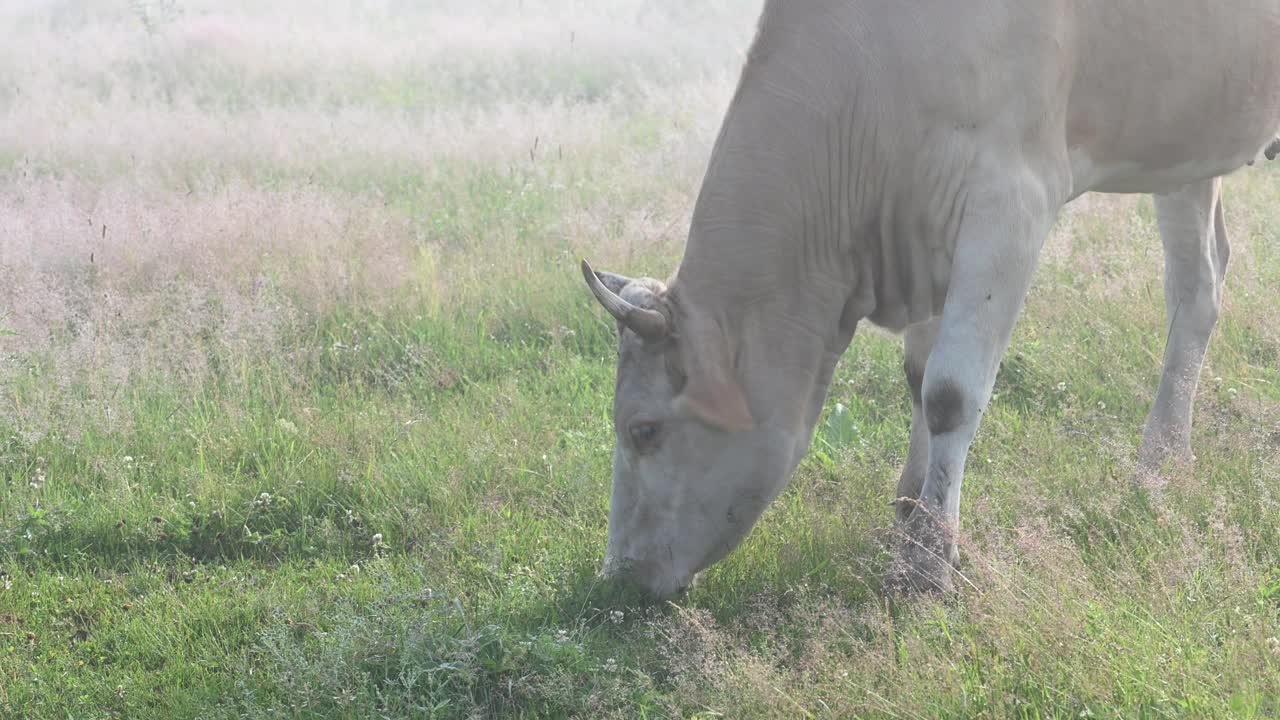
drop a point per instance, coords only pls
(995, 256)
(917, 343)
(1195, 257)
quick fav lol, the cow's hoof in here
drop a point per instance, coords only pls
(1160, 451)
(921, 576)
(927, 558)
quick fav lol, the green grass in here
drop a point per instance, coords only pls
(409, 522)
(391, 501)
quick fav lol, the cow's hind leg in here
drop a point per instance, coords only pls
(917, 344)
(1195, 252)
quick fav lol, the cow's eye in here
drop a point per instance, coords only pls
(644, 435)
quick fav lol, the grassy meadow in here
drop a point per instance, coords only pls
(305, 408)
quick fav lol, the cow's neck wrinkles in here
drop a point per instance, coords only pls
(783, 198)
(771, 257)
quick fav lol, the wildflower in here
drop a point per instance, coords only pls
(616, 617)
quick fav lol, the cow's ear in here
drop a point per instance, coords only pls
(711, 391)
(717, 402)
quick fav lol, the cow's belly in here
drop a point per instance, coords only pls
(1203, 134)
(1112, 175)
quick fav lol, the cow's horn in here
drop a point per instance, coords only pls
(648, 324)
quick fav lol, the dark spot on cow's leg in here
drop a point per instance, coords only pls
(944, 408)
(915, 380)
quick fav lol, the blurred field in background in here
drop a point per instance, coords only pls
(304, 410)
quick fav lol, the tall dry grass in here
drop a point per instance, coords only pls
(180, 179)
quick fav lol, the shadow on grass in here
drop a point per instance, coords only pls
(51, 539)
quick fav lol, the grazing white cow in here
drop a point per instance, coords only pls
(902, 163)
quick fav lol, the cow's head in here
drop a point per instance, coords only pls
(693, 466)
